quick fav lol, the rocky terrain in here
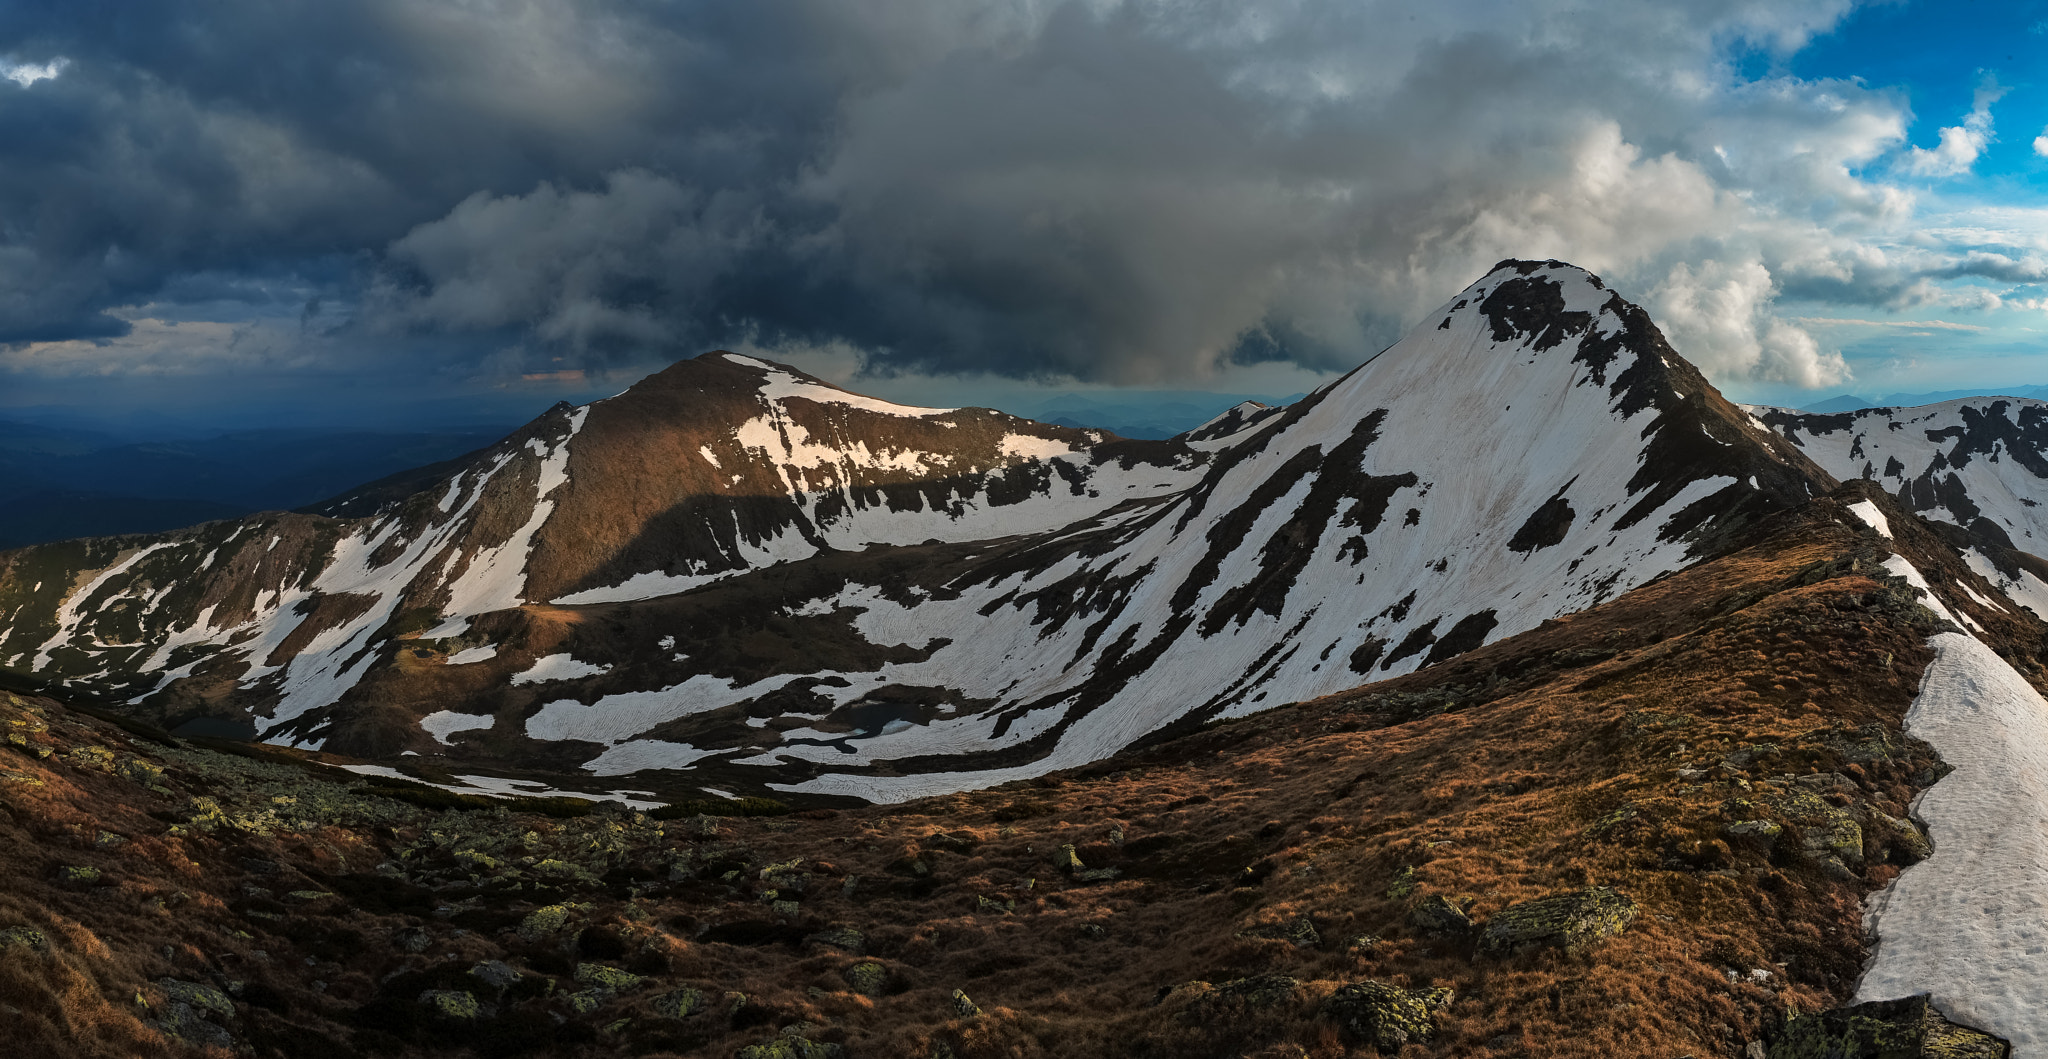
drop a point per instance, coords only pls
(1649, 828)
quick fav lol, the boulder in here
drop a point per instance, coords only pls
(28, 938)
(867, 979)
(1299, 931)
(1909, 1028)
(963, 1007)
(1571, 921)
(543, 921)
(1437, 915)
(1386, 1016)
(610, 979)
(845, 939)
(451, 1004)
(680, 1004)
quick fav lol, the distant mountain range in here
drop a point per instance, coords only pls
(1850, 402)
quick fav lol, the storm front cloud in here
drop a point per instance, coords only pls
(1122, 192)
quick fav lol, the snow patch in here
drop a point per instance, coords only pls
(557, 667)
(473, 654)
(1968, 924)
(445, 723)
(1872, 517)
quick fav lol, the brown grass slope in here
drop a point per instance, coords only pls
(167, 896)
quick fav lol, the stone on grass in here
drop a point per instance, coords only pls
(451, 1004)
(28, 938)
(543, 921)
(1572, 921)
(964, 1007)
(680, 1004)
(203, 997)
(598, 976)
(1437, 915)
(1386, 1016)
(867, 979)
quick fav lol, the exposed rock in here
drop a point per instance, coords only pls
(451, 1004)
(598, 976)
(963, 1007)
(791, 1048)
(1757, 832)
(412, 939)
(680, 1004)
(202, 997)
(1897, 841)
(844, 938)
(182, 1020)
(1386, 1016)
(31, 939)
(1300, 931)
(1909, 1028)
(543, 921)
(1068, 860)
(75, 875)
(1259, 991)
(1403, 884)
(867, 979)
(1437, 915)
(495, 974)
(1570, 921)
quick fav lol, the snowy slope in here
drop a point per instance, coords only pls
(732, 562)
(1968, 925)
(1979, 465)
(714, 468)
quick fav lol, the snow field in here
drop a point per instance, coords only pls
(1969, 925)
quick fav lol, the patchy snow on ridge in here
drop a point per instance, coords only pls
(1969, 924)
(445, 723)
(473, 654)
(1872, 517)
(556, 667)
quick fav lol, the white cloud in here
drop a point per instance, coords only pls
(26, 74)
(1960, 144)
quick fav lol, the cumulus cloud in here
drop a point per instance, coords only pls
(1960, 144)
(1111, 190)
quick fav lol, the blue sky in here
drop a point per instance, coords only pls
(382, 211)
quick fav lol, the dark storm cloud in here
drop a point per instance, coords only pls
(1125, 191)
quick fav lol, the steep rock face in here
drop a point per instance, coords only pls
(684, 578)
(1978, 466)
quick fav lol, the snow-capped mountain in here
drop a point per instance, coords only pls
(740, 573)
(1976, 468)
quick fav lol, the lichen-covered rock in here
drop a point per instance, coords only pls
(451, 1004)
(843, 938)
(1755, 832)
(964, 1007)
(412, 939)
(1386, 1016)
(182, 1020)
(1258, 991)
(1437, 915)
(589, 1000)
(1897, 841)
(1570, 921)
(598, 976)
(202, 997)
(1299, 931)
(1403, 885)
(867, 979)
(25, 937)
(544, 921)
(680, 1004)
(791, 1048)
(76, 875)
(1909, 1028)
(1068, 860)
(495, 974)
